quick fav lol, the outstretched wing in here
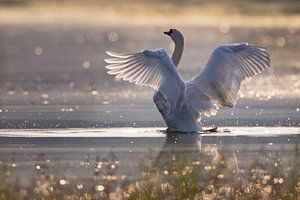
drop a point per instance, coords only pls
(219, 82)
(148, 68)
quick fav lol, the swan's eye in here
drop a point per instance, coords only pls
(171, 31)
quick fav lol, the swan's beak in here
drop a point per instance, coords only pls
(168, 32)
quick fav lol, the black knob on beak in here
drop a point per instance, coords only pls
(168, 32)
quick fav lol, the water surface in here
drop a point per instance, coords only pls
(70, 131)
(135, 163)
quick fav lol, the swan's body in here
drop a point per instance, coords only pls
(182, 103)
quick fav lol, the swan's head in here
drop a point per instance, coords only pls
(174, 34)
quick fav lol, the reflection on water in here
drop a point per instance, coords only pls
(180, 166)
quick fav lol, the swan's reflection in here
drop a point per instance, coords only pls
(183, 166)
(183, 169)
(191, 166)
(178, 147)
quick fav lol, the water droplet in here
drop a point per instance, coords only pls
(94, 92)
(51, 189)
(44, 96)
(123, 177)
(38, 51)
(268, 189)
(98, 165)
(196, 163)
(63, 181)
(99, 188)
(105, 102)
(220, 176)
(281, 41)
(267, 177)
(224, 27)
(86, 64)
(207, 167)
(113, 36)
(11, 92)
(71, 84)
(79, 186)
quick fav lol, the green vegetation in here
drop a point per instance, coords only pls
(183, 173)
(218, 177)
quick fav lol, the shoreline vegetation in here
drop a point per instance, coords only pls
(174, 171)
(213, 13)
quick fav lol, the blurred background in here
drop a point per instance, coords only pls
(52, 71)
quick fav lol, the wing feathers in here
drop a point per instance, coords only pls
(218, 84)
(147, 68)
(220, 80)
(118, 55)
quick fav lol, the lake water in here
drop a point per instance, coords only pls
(53, 76)
(130, 163)
(70, 131)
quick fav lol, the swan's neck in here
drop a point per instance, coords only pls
(178, 50)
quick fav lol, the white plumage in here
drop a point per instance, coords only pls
(180, 103)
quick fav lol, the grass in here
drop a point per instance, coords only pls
(211, 178)
(175, 174)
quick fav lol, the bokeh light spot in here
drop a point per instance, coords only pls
(99, 188)
(224, 27)
(113, 36)
(38, 51)
(281, 41)
(86, 64)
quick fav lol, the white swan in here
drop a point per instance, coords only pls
(182, 103)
